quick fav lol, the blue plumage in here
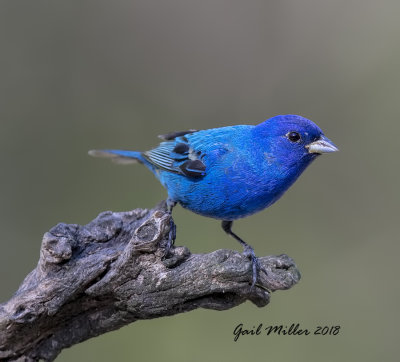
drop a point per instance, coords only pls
(231, 172)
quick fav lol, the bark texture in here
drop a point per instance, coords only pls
(111, 272)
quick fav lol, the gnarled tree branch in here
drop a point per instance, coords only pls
(99, 277)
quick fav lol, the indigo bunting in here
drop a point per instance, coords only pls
(231, 172)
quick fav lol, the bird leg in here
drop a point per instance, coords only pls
(248, 251)
(172, 230)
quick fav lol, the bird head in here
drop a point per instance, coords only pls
(293, 140)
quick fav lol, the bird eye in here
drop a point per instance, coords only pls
(293, 136)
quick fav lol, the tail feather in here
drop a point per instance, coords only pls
(118, 156)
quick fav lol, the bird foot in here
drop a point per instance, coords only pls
(255, 264)
(171, 238)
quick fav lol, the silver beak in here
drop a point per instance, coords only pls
(322, 145)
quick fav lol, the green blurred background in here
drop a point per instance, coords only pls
(77, 75)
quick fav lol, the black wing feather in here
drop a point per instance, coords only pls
(172, 135)
(194, 168)
(177, 156)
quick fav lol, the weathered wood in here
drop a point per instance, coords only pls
(111, 272)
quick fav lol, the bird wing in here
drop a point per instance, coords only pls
(177, 155)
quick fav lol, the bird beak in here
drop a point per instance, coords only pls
(322, 145)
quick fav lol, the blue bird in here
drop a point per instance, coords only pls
(231, 172)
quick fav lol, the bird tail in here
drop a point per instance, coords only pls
(119, 156)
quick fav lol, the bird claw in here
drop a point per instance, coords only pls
(255, 264)
(171, 238)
